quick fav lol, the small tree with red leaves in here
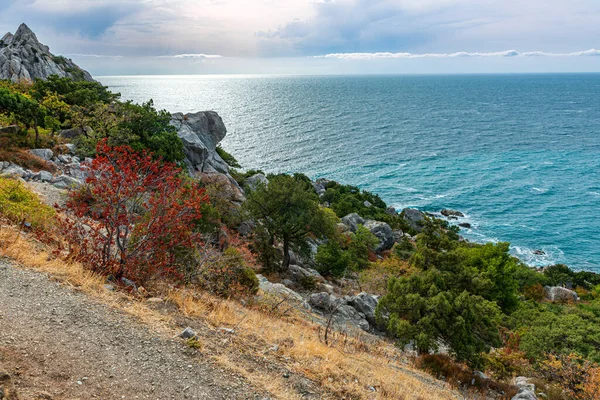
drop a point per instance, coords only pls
(134, 217)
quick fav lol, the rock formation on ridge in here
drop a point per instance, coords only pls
(22, 56)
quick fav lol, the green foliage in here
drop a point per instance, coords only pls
(143, 127)
(351, 253)
(18, 204)
(228, 158)
(347, 199)
(60, 60)
(74, 93)
(561, 275)
(428, 308)
(332, 259)
(289, 211)
(229, 276)
(404, 249)
(558, 328)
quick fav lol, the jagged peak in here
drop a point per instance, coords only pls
(7, 39)
(22, 29)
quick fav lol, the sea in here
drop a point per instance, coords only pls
(519, 155)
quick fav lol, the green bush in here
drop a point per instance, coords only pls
(19, 204)
(228, 158)
(229, 276)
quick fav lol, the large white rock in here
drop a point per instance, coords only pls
(557, 293)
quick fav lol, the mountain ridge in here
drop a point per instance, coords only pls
(23, 57)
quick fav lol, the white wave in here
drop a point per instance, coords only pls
(546, 255)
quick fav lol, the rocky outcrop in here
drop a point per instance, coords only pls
(23, 57)
(557, 293)
(352, 221)
(414, 217)
(526, 389)
(383, 232)
(200, 133)
(277, 289)
(349, 311)
(255, 180)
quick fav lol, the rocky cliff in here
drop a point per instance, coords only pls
(22, 56)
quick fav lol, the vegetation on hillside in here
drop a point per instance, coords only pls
(139, 217)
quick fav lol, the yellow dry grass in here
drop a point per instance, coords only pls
(347, 369)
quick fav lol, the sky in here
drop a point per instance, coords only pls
(124, 37)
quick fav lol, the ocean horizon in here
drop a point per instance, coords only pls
(518, 154)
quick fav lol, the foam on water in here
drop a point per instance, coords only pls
(519, 154)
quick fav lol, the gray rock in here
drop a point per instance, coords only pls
(187, 333)
(343, 228)
(451, 213)
(298, 273)
(246, 227)
(414, 217)
(23, 57)
(526, 389)
(75, 132)
(398, 235)
(72, 149)
(63, 158)
(321, 301)
(319, 188)
(352, 221)
(277, 289)
(367, 203)
(200, 133)
(347, 315)
(391, 211)
(366, 304)
(255, 180)
(383, 232)
(557, 293)
(45, 176)
(45, 154)
(13, 170)
(66, 182)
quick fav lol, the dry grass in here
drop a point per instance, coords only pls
(350, 368)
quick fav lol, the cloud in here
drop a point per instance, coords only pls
(507, 53)
(194, 56)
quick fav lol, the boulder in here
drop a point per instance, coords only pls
(366, 304)
(526, 389)
(557, 293)
(384, 233)
(187, 333)
(45, 176)
(45, 154)
(414, 217)
(352, 221)
(343, 228)
(13, 170)
(277, 289)
(298, 273)
(322, 301)
(71, 147)
(319, 188)
(348, 316)
(367, 203)
(465, 225)
(255, 180)
(65, 182)
(73, 133)
(391, 211)
(451, 213)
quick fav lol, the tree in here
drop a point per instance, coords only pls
(24, 109)
(135, 215)
(288, 209)
(426, 310)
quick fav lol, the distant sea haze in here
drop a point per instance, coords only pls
(519, 155)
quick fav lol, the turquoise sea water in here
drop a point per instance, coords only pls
(518, 154)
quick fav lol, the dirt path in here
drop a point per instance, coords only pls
(59, 344)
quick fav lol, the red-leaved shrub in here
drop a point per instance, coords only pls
(134, 217)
